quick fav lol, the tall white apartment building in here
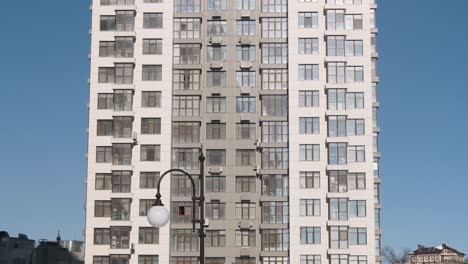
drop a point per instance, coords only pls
(280, 95)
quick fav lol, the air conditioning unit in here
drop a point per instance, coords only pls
(215, 170)
(135, 139)
(257, 169)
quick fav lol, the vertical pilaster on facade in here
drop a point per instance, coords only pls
(282, 95)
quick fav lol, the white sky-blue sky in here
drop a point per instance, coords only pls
(424, 120)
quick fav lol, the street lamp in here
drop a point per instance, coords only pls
(158, 215)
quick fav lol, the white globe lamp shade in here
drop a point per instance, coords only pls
(158, 216)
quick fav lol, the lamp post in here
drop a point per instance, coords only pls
(158, 215)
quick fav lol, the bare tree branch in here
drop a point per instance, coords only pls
(392, 257)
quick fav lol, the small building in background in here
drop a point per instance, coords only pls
(15, 250)
(441, 254)
(59, 252)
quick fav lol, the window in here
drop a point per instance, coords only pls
(119, 258)
(184, 260)
(274, 105)
(337, 126)
(338, 181)
(122, 126)
(145, 205)
(275, 6)
(337, 153)
(308, 72)
(120, 237)
(335, 19)
(245, 79)
(275, 239)
(245, 260)
(103, 181)
(185, 158)
(338, 209)
(375, 144)
(122, 154)
(216, 210)
(338, 259)
(274, 27)
(152, 1)
(186, 105)
(106, 75)
(245, 130)
(107, 23)
(186, 132)
(356, 154)
(274, 53)
(246, 52)
(309, 125)
(358, 236)
(354, 100)
(152, 73)
(354, 74)
(106, 49)
(308, 46)
(275, 158)
(308, 20)
(105, 101)
(336, 99)
(341, 2)
(187, 28)
(375, 93)
(275, 260)
(245, 238)
(275, 212)
(217, 27)
(182, 212)
(245, 184)
(186, 53)
(186, 79)
(123, 100)
(148, 259)
(245, 104)
(216, 79)
(151, 126)
(310, 235)
(375, 117)
(339, 238)
(308, 98)
(374, 42)
(357, 208)
(124, 73)
(309, 179)
(216, 131)
(148, 180)
(184, 240)
(245, 210)
(215, 260)
(181, 185)
(353, 21)
(217, 5)
(355, 127)
(357, 259)
(309, 207)
(215, 184)
(124, 47)
(148, 235)
(309, 152)
(187, 7)
(216, 53)
(151, 99)
(100, 259)
(245, 5)
(152, 20)
(102, 208)
(150, 152)
(275, 185)
(215, 238)
(245, 157)
(124, 20)
(357, 181)
(274, 79)
(103, 154)
(101, 236)
(336, 45)
(377, 219)
(216, 157)
(336, 72)
(152, 46)
(311, 259)
(121, 181)
(104, 128)
(245, 27)
(354, 48)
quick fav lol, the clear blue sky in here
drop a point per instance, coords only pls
(422, 43)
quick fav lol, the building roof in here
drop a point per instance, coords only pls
(422, 250)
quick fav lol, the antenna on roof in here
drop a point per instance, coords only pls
(58, 237)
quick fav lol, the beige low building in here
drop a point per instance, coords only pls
(440, 254)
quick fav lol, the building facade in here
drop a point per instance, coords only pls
(282, 98)
(15, 250)
(440, 254)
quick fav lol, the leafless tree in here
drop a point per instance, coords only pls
(390, 256)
